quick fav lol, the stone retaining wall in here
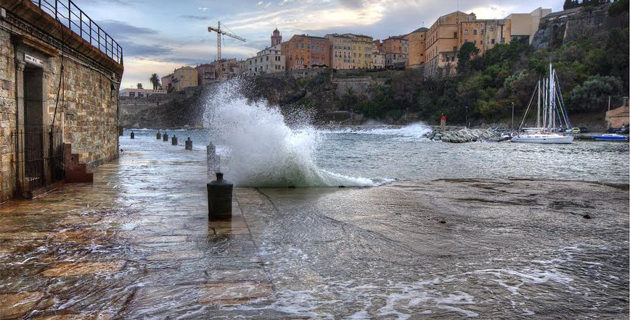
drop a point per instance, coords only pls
(87, 108)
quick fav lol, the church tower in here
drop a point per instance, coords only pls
(276, 38)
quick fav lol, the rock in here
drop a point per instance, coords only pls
(468, 135)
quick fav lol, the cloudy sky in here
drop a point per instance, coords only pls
(158, 36)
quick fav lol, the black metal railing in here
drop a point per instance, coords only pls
(71, 16)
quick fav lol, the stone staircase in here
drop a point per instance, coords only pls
(76, 170)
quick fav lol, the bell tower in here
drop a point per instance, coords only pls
(276, 38)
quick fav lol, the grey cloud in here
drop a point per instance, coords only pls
(132, 49)
(352, 3)
(124, 30)
(193, 17)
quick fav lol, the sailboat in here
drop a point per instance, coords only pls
(551, 114)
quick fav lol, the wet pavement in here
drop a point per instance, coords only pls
(137, 244)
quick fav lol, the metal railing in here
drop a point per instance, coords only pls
(71, 16)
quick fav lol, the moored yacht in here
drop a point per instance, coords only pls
(551, 115)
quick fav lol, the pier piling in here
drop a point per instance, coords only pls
(219, 199)
(158, 135)
(188, 144)
(165, 137)
(174, 140)
(132, 136)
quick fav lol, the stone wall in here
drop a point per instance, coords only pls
(88, 111)
(83, 110)
(7, 117)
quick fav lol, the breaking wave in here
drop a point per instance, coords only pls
(262, 150)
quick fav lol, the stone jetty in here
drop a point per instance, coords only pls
(467, 135)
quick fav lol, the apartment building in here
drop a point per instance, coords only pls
(184, 77)
(350, 51)
(305, 52)
(442, 43)
(485, 34)
(378, 58)
(417, 47)
(205, 73)
(396, 50)
(525, 25)
(269, 60)
(167, 82)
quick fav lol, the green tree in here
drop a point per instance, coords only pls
(155, 80)
(467, 50)
(618, 7)
(594, 92)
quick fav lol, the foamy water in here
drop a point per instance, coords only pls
(261, 149)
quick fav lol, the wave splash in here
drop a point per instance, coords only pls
(262, 150)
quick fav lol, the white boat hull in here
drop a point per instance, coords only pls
(543, 138)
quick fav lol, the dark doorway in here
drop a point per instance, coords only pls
(34, 128)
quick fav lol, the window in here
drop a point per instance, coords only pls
(475, 32)
(455, 35)
(454, 49)
(466, 32)
(482, 30)
(491, 28)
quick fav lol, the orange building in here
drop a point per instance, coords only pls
(305, 52)
(396, 50)
(485, 34)
(417, 47)
(442, 43)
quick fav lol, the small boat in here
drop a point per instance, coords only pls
(610, 137)
(551, 115)
(544, 138)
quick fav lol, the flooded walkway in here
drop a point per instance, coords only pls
(137, 244)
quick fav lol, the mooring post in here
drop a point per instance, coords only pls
(220, 199)
(132, 135)
(165, 137)
(212, 158)
(158, 135)
(174, 140)
(188, 144)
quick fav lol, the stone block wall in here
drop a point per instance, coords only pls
(87, 111)
(7, 117)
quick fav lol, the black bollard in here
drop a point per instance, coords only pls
(165, 137)
(220, 199)
(158, 135)
(188, 144)
(132, 135)
(174, 140)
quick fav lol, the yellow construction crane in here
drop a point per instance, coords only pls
(219, 33)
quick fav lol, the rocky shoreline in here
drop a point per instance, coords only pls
(467, 135)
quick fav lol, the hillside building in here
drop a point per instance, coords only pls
(350, 51)
(417, 47)
(269, 60)
(305, 52)
(184, 77)
(525, 25)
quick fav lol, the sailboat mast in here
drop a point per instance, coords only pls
(552, 100)
(544, 102)
(538, 107)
